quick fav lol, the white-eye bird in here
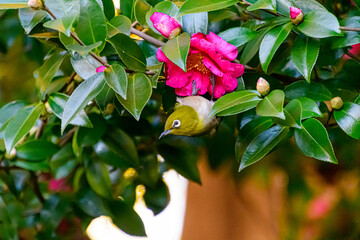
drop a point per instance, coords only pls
(191, 117)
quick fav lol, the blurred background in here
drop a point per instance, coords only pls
(284, 196)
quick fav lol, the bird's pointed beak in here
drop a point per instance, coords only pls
(164, 133)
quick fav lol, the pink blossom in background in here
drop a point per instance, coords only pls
(209, 56)
(59, 185)
(100, 69)
(294, 12)
(165, 24)
(354, 50)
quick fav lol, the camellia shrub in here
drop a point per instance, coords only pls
(269, 71)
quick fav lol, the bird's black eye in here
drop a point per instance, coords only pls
(176, 124)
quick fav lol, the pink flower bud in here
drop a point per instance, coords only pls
(168, 26)
(35, 4)
(263, 87)
(296, 15)
(100, 69)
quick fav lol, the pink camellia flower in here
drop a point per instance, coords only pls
(294, 12)
(168, 26)
(59, 185)
(100, 69)
(355, 50)
(209, 58)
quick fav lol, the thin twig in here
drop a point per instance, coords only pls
(41, 128)
(36, 187)
(350, 29)
(357, 58)
(134, 24)
(147, 37)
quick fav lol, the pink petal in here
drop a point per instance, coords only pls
(228, 82)
(164, 23)
(294, 12)
(234, 69)
(228, 50)
(177, 78)
(212, 67)
(203, 84)
(100, 69)
(199, 42)
(161, 56)
(184, 91)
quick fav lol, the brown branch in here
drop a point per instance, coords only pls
(147, 37)
(36, 187)
(350, 29)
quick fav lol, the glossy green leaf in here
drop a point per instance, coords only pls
(252, 47)
(109, 8)
(271, 42)
(357, 100)
(82, 95)
(21, 124)
(105, 97)
(33, 166)
(262, 4)
(61, 8)
(127, 9)
(129, 52)
(8, 111)
(47, 71)
(13, 4)
(234, 103)
(195, 23)
(249, 132)
(272, 105)
(292, 112)
(304, 54)
(177, 50)
(98, 177)
(36, 150)
(313, 90)
(91, 203)
(116, 78)
(166, 7)
(348, 118)
(63, 162)
(140, 9)
(320, 24)
(350, 37)
(84, 67)
(63, 24)
(313, 141)
(309, 108)
(119, 24)
(261, 145)
(83, 50)
(87, 137)
(138, 94)
(238, 36)
(29, 18)
(196, 6)
(57, 103)
(157, 198)
(91, 27)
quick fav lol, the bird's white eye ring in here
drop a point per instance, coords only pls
(176, 123)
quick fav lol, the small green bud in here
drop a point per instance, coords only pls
(336, 103)
(35, 4)
(263, 87)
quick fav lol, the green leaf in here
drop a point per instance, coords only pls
(91, 27)
(138, 94)
(357, 3)
(83, 50)
(238, 36)
(33, 166)
(307, 5)
(87, 137)
(36, 150)
(116, 78)
(357, 100)
(105, 97)
(166, 7)
(127, 9)
(48, 70)
(309, 108)
(62, 8)
(313, 141)
(313, 90)
(140, 9)
(271, 42)
(13, 4)
(292, 112)
(177, 50)
(63, 162)
(196, 6)
(262, 145)
(262, 4)
(234, 103)
(21, 124)
(252, 47)
(91, 203)
(63, 24)
(157, 198)
(320, 24)
(29, 18)
(195, 23)
(98, 177)
(109, 8)
(350, 37)
(8, 111)
(82, 95)
(129, 52)
(57, 103)
(348, 118)
(119, 24)
(84, 67)
(304, 54)
(182, 157)
(272, 105)
(249, 132)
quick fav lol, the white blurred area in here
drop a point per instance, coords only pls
(165, 226)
